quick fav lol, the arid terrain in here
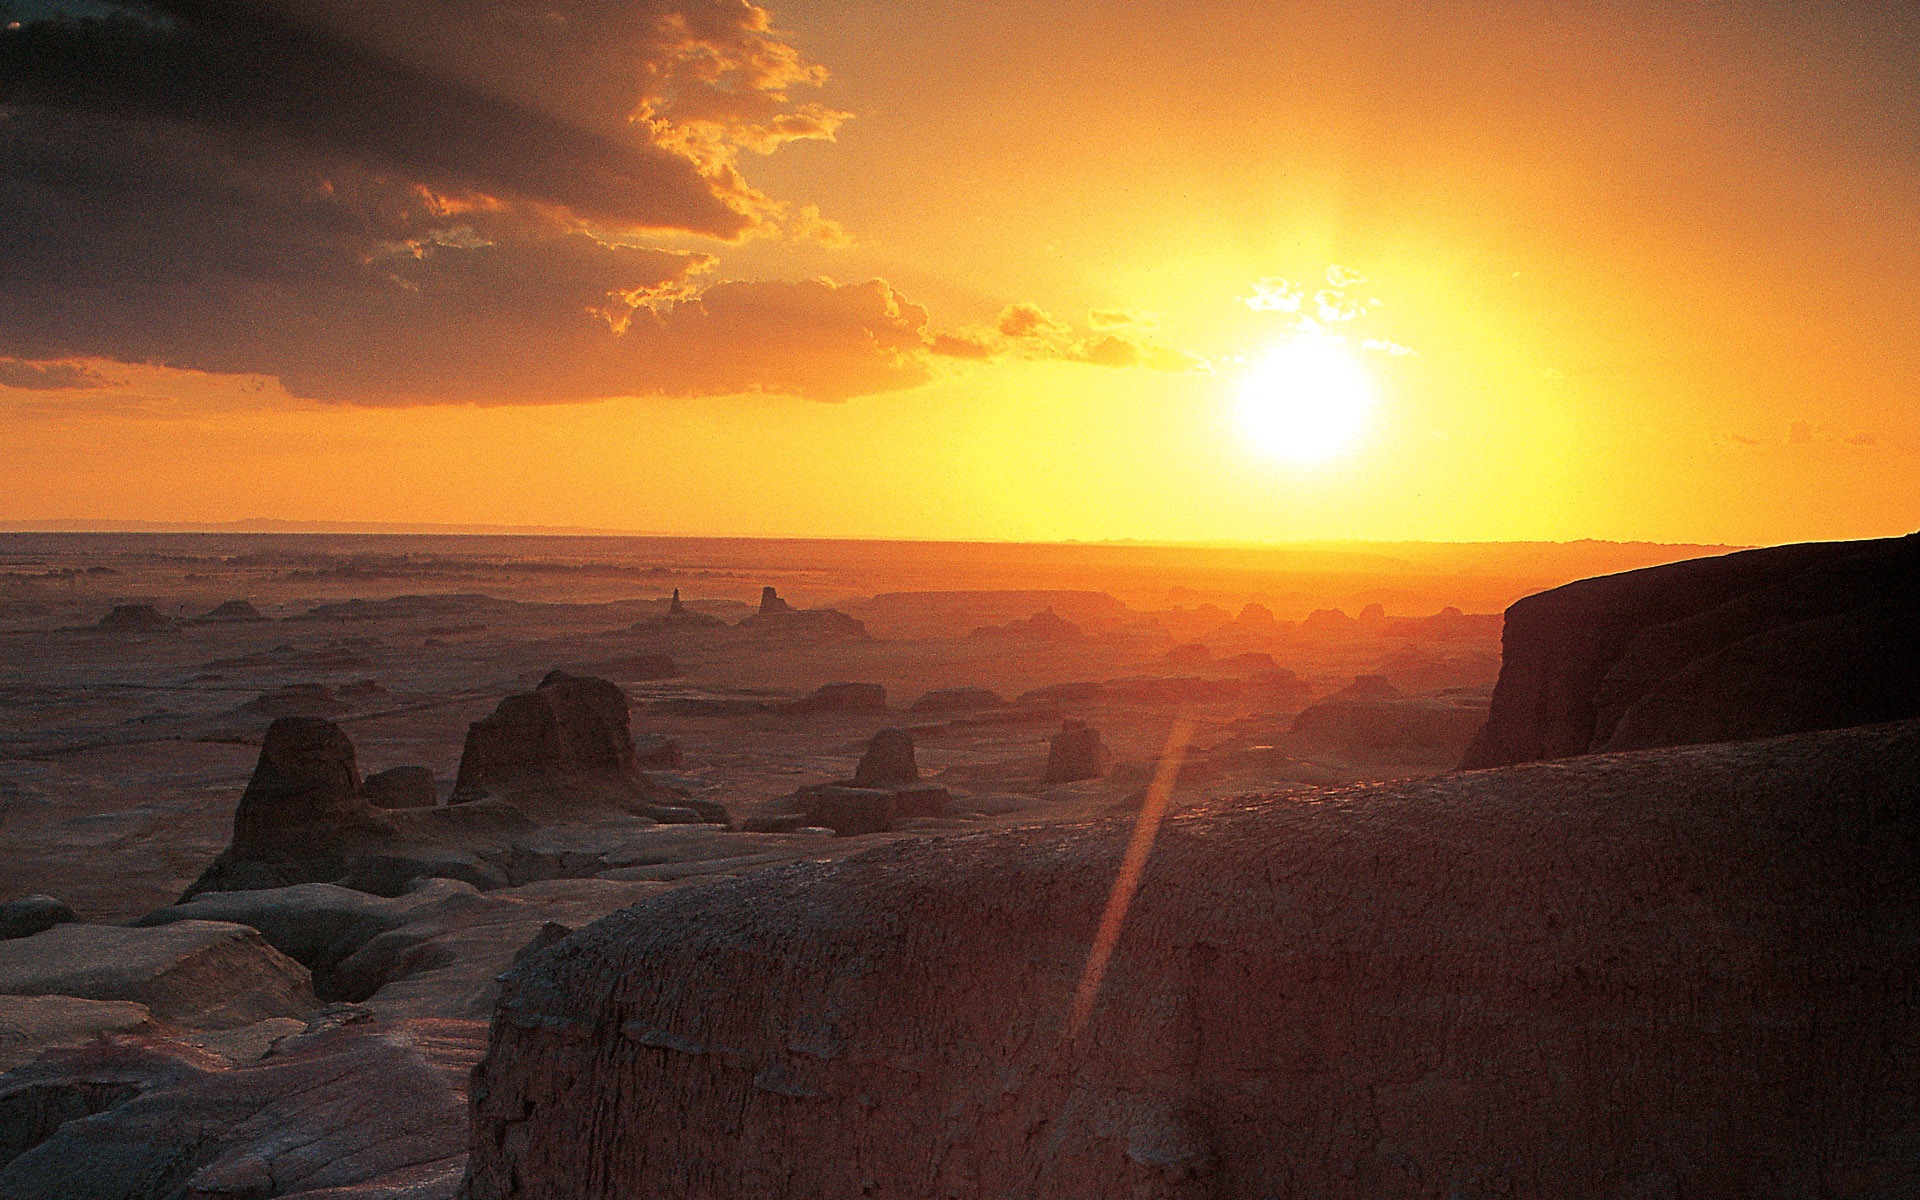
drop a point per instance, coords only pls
(295, 829)
(124, 746)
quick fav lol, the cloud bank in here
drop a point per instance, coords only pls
(404, 201)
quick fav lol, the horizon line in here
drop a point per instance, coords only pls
(276, 525)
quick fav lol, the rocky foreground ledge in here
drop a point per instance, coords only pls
(1684, 972)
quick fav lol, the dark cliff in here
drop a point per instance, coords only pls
(1746, 645)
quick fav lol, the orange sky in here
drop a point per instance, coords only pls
(1654, 263)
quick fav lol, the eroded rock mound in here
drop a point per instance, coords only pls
(1762, 642)
(888, 762)
(678, 617)
(1076, 753)
(229, 612)
(1678, 972)
(566, 746)
(134, 617)
(776, 616)
(303, 813)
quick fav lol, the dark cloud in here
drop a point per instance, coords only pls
(623, 112)
(394, 201)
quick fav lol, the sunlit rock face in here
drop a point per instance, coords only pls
(1763, 642)
(1675, 972)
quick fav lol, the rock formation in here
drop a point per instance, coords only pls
(776, 616)
(401, 787)
(1670, 973)
(206, 974)
(565, 746)
(1370, 722)
(134, 617)
(229, 612)
(1075, 753)
(302, 815)
(678, 617)
(1762, 642)
(888, 762)
(1190, 655)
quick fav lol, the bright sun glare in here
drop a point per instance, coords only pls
(1306, 400)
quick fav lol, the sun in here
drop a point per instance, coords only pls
(1306, 400)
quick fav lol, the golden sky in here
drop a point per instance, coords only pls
(991, 270)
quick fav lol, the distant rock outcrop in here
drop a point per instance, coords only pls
(230, 612)
(298, 700)
(840, 697)
(1672, 973)
(1043, 626)
(1076, 753)
(776, 616)
(888, 762)
(133, 617)
(1745, 645)
(1370, 722)
(566, 745)
(679, 617)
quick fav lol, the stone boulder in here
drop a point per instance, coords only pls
(208, 974)
(959, 699)
(888, 762)
(401, 787)
(1746, 645)
(1076, 753)
(356, 1107)
(134, 617)
(32, 914)
(1670, 973)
